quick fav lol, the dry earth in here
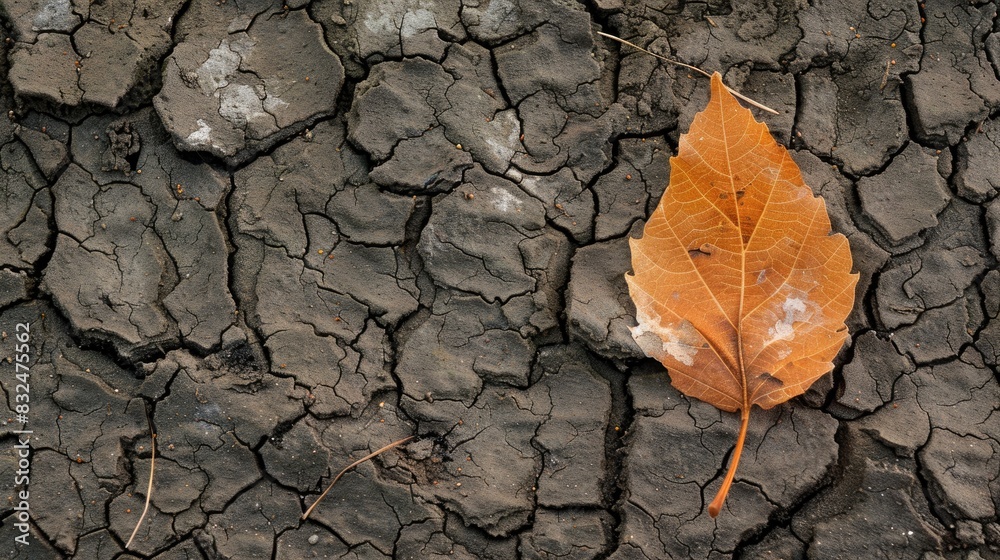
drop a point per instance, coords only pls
(294, 233)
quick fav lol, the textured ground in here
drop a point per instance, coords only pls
(294, 233)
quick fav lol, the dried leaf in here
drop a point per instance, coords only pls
(740, 288)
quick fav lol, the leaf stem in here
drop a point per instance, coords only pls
(760, 106)
(716, 506)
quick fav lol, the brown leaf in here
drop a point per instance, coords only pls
(740, 288)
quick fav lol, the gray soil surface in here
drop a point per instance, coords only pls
(289, 234)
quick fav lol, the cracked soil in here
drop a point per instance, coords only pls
(292, 233)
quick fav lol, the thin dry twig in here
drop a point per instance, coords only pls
(760, 106)
(375, 453)
(149, 487)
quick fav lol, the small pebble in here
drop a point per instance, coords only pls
(313, 539)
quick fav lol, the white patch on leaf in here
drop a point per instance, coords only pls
(681, 342)
(796, 310)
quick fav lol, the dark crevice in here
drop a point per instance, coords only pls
(614, 483)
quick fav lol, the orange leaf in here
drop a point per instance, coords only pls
(740, 288)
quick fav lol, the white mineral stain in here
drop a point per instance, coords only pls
(274, 104)
(795, 310)
(240, 105)
(532, 185)
(503, 147)
(679, 341)
(680, 351)
(215, 72)
(431, 243)
(504, 201)
(416, 22)
(55, 15)
(202, 136)
(379, 22)
(242, 45)
(271, 102)
(497, 14)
